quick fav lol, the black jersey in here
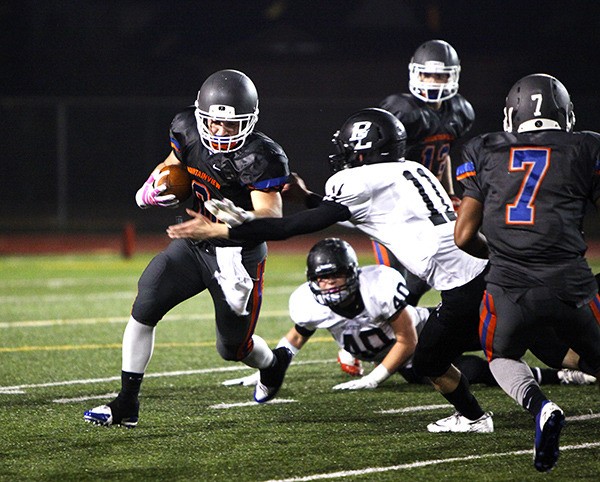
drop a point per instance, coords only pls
(430, 133)
(260, 164)
(534, 188)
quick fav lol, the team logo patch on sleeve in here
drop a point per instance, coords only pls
(465, 170)
(597, 167)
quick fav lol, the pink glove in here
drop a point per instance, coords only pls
(149, 194)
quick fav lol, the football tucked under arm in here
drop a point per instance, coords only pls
(151, 192)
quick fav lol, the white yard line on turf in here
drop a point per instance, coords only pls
(19, 389)
(251, 404)
(414, 409)
(423, 463)
(123, 320)
(63, 298)
(86, 398)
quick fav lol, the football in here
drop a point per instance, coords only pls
(178, 181)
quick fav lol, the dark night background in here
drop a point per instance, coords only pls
(89, 87)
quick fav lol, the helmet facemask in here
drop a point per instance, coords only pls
(336, 295)
(224, 113)
(230, 97)
(433, 91)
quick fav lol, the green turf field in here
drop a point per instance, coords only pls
(60, 336)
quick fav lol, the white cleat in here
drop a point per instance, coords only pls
(458, 423)
(575, 377)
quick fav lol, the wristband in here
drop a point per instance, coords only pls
(379, 374)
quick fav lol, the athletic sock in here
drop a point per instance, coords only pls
(533, 399)
(130, 386)
(464, 401)
(546, 376)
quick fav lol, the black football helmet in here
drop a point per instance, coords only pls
(228, 96)
(434, 57)
(538, 102)
(368, 136)
(332, 257)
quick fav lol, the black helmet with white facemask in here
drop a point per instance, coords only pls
(332, 258)
(227, 96)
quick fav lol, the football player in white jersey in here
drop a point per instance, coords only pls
(364, 309)
(402, 205)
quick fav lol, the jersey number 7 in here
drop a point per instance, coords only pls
(534, 162)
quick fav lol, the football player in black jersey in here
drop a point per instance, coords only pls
(527, 189)
(215, 140)
(435, 115)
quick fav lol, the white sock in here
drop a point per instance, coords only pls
(138, 345)
(261, 355)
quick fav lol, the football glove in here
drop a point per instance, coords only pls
(370, 381)
(224, 210)
(150, 193)
(359, 384)
(247, 381)
(349, 364)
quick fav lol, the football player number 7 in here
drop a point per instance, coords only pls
(534, 163)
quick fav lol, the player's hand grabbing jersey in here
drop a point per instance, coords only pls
(259, 164)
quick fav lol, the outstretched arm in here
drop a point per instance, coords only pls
(263, 229)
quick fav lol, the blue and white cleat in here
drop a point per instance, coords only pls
(548, 425)
(111, 414)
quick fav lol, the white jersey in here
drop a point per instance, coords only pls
(369, 335)
(405, 208)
